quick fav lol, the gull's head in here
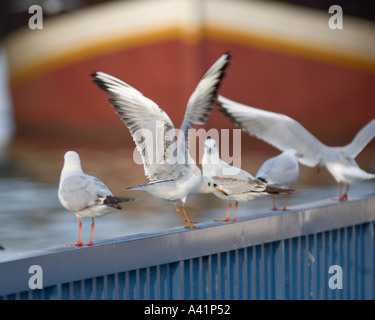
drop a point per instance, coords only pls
(211, 152)
(71, 156)
(72, 161)
(210, 146)
(209, 185)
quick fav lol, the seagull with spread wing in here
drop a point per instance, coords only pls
(285, 133)
(173, 174)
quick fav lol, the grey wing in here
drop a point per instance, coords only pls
(237, 186)
(276, 129)
(82, 191)
(362, 138)
(151, 128)
(201, 102)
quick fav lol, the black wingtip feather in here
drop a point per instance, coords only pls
(227, 114)
(114, 201)
(222, 75)
(262, 179)
(100, 83)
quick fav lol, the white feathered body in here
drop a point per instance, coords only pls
(81, 193)
(281, 171)
(177, 189)
(343, 167)
(84, 195)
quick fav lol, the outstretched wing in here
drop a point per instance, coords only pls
(201, 102)
(151, 128)
(363, 137)
(276, 129)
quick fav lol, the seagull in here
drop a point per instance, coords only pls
(237, 184)
(284, 133)
(172, 172)
(281, 171)
(85, 195)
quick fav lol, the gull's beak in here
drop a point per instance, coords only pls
(221, 191)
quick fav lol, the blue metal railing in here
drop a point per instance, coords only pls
(271, 256)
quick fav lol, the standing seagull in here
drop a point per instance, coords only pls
(85, 195)
(285, 133)
(281, 171)
(236, 183)
(172, 177)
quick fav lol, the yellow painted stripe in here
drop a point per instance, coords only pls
(330, 55)
(20, 74)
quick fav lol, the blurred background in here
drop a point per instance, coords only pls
(286, 59)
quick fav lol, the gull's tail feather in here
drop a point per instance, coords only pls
(275, 190)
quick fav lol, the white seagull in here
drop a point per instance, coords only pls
(237, 184)
(281, 171)
(85, 195)
(173, 176)
(285, 133)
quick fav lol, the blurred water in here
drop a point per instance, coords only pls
(31, 217)
(7, 126)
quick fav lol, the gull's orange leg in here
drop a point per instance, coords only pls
(226, 219)
(92, 233)
(344, 196)
(284, 209)
(235, 212)
(188, 222)
(340, 197)
(180, 213)
(79, 243)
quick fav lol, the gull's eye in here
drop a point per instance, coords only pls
(215, 185)
(209, 184)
